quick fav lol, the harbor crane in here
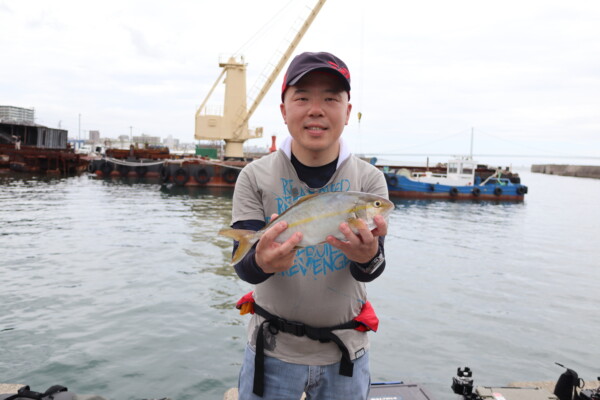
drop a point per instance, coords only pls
(231, 125)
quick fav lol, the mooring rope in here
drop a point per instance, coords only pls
(180, 161)
(131, 163)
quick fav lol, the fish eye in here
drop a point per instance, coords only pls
(377, 203)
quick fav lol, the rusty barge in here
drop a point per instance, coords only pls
(32, 148)
(161, 165)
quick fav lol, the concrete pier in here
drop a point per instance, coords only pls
(11, 388)
(581, 171)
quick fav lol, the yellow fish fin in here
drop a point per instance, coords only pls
(356, 223)
(246, 239)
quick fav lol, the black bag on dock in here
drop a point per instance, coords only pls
(567, 384)
(56, 392)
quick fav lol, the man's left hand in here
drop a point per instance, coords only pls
(360, 247)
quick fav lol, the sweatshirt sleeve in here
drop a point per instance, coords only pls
(247, 269)
(358, 270)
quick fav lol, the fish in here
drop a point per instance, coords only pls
(317, 216)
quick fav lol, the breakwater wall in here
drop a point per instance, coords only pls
(581, 171)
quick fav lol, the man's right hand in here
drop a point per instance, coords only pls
(273, 257)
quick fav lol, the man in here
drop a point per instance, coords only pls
(17, 141)
(301, 294)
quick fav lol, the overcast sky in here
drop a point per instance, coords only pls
(524, 75)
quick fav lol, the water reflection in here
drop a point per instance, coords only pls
(196, 191)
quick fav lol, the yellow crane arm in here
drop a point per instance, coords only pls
(286, 55)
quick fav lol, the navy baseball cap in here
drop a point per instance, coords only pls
(307, 62)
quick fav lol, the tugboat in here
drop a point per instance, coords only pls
(461, 179)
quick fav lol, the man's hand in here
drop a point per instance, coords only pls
(274, 257)
(361, 247)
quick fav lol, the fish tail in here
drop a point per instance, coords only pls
(246, 239)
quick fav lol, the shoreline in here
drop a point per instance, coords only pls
(580, 171)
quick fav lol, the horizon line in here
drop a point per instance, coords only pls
(483, 155)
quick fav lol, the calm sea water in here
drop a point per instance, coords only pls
(124, 290)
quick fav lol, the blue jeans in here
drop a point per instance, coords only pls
(286, 381)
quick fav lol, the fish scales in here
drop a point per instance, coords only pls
(317, 216)
(322, 216)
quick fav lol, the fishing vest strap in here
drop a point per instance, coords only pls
(276, 324)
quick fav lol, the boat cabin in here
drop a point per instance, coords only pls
(459, 172)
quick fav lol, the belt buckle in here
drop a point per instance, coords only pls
(295, 328)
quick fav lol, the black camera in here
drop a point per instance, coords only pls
(590, 394)
(462, 383)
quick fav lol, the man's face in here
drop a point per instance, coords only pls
(315, 111)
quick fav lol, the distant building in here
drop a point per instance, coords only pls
(95, 136)
(17, 114)
(170, 142)
(147, 139)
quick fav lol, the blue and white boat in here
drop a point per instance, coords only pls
(463, 179)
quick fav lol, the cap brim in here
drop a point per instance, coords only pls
(332, 71)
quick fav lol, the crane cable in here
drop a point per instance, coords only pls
(262, 30)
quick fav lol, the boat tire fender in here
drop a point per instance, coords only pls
(106, 168)
(202, 175)
(522, 190)
(141, 170)
(165, 173)
(123, 170)
(230, 175)
(181, 177)
(91, 167)
(476, 191)
(453, 191)
(498, 191)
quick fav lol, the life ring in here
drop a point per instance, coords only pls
(165, 173)
(392, 180)
(202, 175)
(453, 191)
(106, 168)
(522, 190)
(498, 191)
(181, 177)
(230, 175)
(476, 191)
(123, 170)
(141, 170)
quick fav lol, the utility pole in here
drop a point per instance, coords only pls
(130, 134)
(471, 153)
(79, 131)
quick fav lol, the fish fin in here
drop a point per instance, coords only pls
(356, 223)
(300, 200)
(308, 196)
(236, 234)
(246, 239)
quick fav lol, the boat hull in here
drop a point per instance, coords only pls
(180, 172)
(402, 187)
